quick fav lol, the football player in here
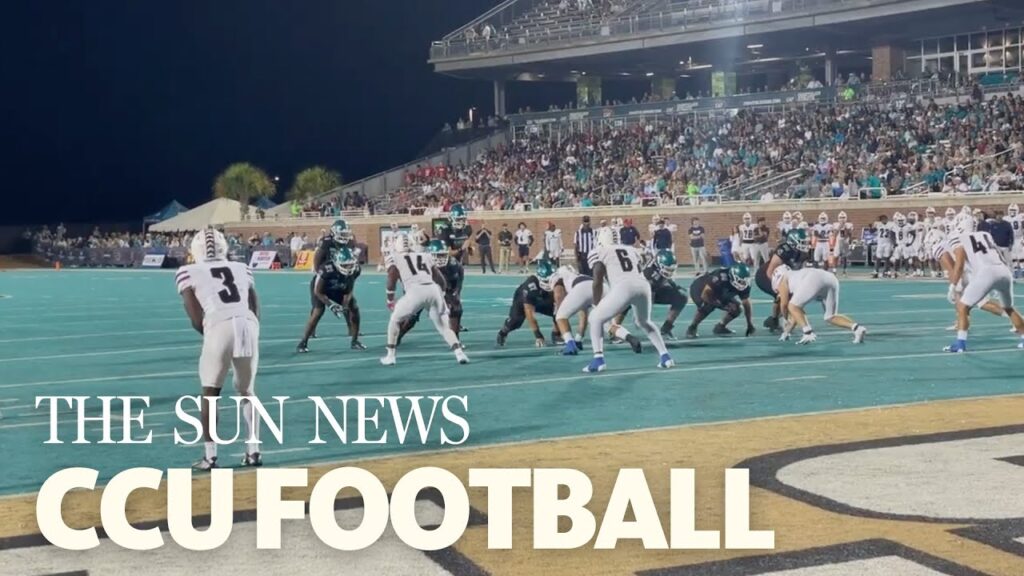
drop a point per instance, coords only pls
(842, 235)
(918, 231)
(884, 243)
(798, 220)
(725, 289)
(942, 254)
(1016, 220)
(950, 219)
(784, 226)
(456, 236)
(418, 238)
(797, 288)
(333, 288)
(935, 247)
(792, 252)
(978, 265)
(574, 294)
(747, 231)
(821, 235)
(903, 249)
(220, 300)
(423, 286)
(534, 296)
(339, 235)
(453, 276)
(620, 266)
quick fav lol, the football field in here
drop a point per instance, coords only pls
(117, 333)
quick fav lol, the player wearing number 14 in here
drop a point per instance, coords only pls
(220, 300)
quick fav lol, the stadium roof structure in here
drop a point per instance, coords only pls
(533, 41)
(214, 213)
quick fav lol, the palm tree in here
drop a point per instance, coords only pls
(243, 182)
(313, 181)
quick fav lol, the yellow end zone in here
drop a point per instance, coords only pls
(926, 516)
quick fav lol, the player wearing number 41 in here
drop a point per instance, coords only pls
(976, 261)
(423, 285)
(620, 266)
(333, 288)
(797, 289)
(220, 300)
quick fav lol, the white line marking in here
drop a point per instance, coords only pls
(8, 400)
(795, 378)
(265, 452)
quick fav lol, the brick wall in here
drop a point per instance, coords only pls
(718, 220)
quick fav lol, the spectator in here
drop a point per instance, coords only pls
(524, 240)
(698, 251)
(296, 243)
(483, 243)
(629, 235)
(553, 243)
(505, 250)
(662, 238)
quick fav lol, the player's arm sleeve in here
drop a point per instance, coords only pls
(183, 279)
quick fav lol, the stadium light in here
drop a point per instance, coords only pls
(755, 46)
(700, 66)
(649, 74)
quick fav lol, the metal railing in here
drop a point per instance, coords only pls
(673, 17)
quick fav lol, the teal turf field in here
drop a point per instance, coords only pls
(92, 333)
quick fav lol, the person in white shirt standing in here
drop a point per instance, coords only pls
(423, 284)
(553, 243)
(977, 261)
(621, 267)
(296, 244)
(220, 300)
(748, 247)
(523, 239)
(821, 236)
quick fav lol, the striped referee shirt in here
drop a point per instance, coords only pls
(584, 240)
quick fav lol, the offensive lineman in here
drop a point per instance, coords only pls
(620, 265)
(220, 300)
(792, 252)
(333, 288)
(977, 261)
(797, 288)
(422, 283)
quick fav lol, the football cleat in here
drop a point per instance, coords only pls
(254, 459)
(665, 361)
(958, 346)
(570, 348)
(460, 355)
(501, 339)
(204, 464)
(668, 336)
(388, 361)
(357, 345)
(858, 335)
(302, 348)
(634, 343)
(721, 330)
(691, 332)
(1021, 344)
(771, 323)
(596, 365)
(808, 338)
(785, 337)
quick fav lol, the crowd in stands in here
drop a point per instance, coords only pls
(861, 150)
(59, 238)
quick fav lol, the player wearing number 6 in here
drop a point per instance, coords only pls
(220, 300)
(423, 286)
(977, 263)
(620, 266)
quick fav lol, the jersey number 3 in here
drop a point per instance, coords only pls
(229, 294)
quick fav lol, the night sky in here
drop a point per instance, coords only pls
(113, 108)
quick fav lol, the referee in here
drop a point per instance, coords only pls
(584, 242)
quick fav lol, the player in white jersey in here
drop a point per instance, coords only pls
(748, 246)
(942, 254)
(221, 302)
(935, 246)
(916, 248)
(784, 226)
(842, 236)
(1016, 220)
(621, 267)
(574, 294)
(903, 243)
(422, 284)
(797, 289)
(418, 238)
(977, 261)
(884, 243)
(821, 235)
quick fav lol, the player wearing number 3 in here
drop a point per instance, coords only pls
(220, 300)
(620, 266)
(978, 264)
(423, 286)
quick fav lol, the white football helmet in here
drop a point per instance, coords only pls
(950, 212)
(607, 237)
(899, 219)
(822, 218)
(208, 246)
(747, 218)
(798, 216)
(842, 217)
(401, 244)
(1012, 210)
(787, 217)
(964, 224)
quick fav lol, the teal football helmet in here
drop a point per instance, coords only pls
(345, 260)
(457, 216)
(341, 232)
(797, 237)
(439, 251)
(739, 276)
(665, 260)
(545, 272)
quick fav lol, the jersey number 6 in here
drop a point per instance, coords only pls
(624, 261)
